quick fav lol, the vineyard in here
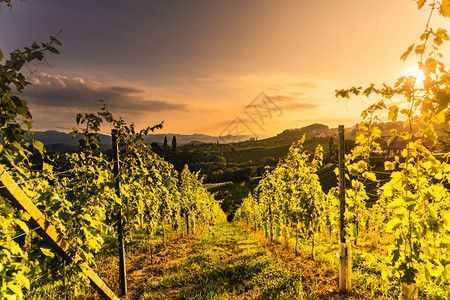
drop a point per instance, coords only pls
(72, 221)
(404, 235)
(402, 238)
(78, 195)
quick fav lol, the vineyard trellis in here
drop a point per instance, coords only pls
(77, 194)
(412, 208)
(413, 205)
(10, 190)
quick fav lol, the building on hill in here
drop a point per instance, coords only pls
(319, 134)
(397, 144)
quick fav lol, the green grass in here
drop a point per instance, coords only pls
(51, 285)
(227, 263)
(367, 268)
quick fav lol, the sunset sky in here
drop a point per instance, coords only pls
(196, 65)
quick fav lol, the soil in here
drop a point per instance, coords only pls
(155, 264)
(317, 277)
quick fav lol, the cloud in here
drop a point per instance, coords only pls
(305, 85)
(60, 91)
(270, 81)
(282, 98)
(299, 106)
(296, 87)
(287, 102)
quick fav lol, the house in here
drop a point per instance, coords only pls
(398, 144)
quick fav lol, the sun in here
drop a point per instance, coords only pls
(416, 73)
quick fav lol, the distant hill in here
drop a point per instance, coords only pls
(311, 131)
(195, 138)
(318, 132)
(52, 137)
(289, 136)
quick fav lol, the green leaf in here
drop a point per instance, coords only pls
(15, 288)
(438, 118)
(398, 202)
(47, 168)
(431, 134)
(23, 279)
(1, 54)
(354, 230)
(407, 52)
(391, 139)
(39, 146)
(393, 224)
(22, 225)
(443, 99)
(369, 175)
(420, 3)
(47, 251)
(434, 271)
(420, 49)
(389, 165)
(446, 217)
(442, 33)
(56, 41)
(411, 207)
(393, 112)
(445, 8)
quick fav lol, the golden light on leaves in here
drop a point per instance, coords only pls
(416, 73)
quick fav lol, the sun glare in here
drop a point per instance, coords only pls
(415, 72)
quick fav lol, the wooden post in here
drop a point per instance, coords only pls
(409, 291)
(122, 269)
(187, 223)
(270, 223)
(11, 191)
(341, 184)
(163, 234)
(345, 268)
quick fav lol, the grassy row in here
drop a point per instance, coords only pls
(368, 266)
(227, 263)
(64, 282)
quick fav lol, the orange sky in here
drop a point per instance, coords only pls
(198, 64)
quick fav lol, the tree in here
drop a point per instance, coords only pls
(174, 143)
(165, 143)
(155, 146)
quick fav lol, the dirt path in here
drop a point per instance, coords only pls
(320, 281)
(228, 261)
(146, 268)
(224, 262)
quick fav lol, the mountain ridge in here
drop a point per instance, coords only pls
(316, 130)
(53, 137)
